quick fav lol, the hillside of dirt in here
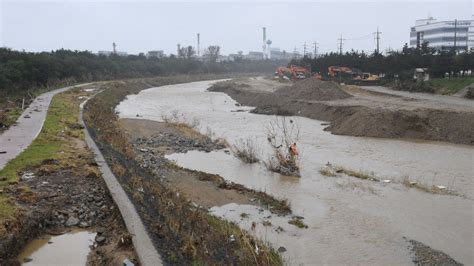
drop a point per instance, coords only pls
(313, 90)
(359, 111)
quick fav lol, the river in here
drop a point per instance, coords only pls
(350, 221)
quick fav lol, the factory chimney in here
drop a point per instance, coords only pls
(264, 43)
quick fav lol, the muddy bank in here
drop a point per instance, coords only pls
(357, 112)
(153, 140)
(182, 232)
(58, 202)
(425, 255)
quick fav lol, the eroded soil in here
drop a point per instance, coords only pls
(370, 112)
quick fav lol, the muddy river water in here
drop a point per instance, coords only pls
(350, 221)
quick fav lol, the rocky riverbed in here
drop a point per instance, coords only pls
(153, 140)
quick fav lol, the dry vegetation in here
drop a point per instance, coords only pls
(246, 150)
(281, 134)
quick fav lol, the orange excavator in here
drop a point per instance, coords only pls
(337, 71)
(292, 72)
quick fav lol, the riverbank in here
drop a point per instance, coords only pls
(348, 219)
(356, 111)
(182, 232)
(153, 140)
(54, 186)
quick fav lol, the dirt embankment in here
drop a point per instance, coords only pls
(357, 112)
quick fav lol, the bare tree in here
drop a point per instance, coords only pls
(281, 134)
(212, 53)
(186, 52)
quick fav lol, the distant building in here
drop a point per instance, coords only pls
(106, 53)
(109, 53)
(155, 54)
(254, 55)
(471, 35)
(443, 35)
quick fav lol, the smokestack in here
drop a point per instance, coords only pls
(114, 48)
(199, 40)
(179, 49)
(264, 42)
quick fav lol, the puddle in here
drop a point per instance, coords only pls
(350, 221)
(67, 249)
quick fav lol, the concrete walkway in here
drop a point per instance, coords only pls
(146, 252)
(17, 138)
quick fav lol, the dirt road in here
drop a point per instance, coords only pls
(367, 111)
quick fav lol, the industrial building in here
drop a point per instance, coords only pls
(155, 54)
(443, 35)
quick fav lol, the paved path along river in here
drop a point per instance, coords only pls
(17, 138)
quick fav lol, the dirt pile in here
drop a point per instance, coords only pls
(313, 90)
(356, 113)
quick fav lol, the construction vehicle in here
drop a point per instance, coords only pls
(351, 75)
(292, 73)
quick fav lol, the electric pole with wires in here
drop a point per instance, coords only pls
(340, 44)
(377, 39)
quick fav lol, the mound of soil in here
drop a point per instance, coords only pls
(321, 100)
(313, 90)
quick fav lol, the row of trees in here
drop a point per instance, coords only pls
(23, 70)
(395, 63)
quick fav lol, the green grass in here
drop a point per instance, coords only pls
(452, 85)
(49, 144)
(7, 209)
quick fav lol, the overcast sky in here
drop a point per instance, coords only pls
(140, 26)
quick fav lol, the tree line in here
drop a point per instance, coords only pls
(22, 71)
(395, 63)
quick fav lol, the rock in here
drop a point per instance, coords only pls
(281, 249)
(26, 176)
(100, 230)
(84, 224)
(127, 262)
(100, 239)
(72, 221)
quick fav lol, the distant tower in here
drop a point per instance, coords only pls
(114, 48)
(269, 50)
(199, 43)
(179, 49)
(264, 43)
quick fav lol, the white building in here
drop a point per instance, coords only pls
(471, 35)
(442, 35)
(156, 54)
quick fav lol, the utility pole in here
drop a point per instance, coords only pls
(340, 44)
(377, 38)
(455, 33)
(199, 43)
(304, 50)
(315, 49)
